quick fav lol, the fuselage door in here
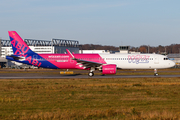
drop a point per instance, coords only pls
(156, 59)
(71, 61)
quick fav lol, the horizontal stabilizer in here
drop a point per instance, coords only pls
(15, 57)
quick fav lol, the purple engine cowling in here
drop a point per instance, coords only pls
(109, 69)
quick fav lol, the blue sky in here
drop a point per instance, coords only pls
(105, 22)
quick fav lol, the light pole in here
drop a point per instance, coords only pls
(165, 50)
(148, 48)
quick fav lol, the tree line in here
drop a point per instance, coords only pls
(173, 48)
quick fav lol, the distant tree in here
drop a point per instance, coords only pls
(98, 47)
(173, 48)
(143, 49)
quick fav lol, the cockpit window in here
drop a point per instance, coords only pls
(166, 58)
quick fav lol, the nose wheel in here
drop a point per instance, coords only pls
(91, 74)
(155, 72)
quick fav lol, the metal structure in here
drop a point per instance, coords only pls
(54, 42)
(5, 43)
(65, 43)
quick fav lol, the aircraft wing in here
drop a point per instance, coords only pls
(87, 64)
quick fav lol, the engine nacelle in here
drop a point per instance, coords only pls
(109, 69)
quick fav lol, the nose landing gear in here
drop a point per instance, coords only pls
(155, 72)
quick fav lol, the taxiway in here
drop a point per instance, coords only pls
(54, 74)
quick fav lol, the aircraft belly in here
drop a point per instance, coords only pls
(66, 65)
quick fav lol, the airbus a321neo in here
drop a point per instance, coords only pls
(106, 63)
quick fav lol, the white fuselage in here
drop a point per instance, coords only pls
(138, 61)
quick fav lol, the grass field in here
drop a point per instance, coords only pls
(116, 98)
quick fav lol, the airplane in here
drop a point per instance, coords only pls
(106, 63)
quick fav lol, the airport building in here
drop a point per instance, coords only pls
(38, 46)
(175, 58)
(94, 51)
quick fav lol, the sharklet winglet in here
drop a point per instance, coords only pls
(70, 54)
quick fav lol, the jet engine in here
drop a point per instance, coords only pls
(109, 69)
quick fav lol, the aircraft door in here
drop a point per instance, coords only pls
(156, 59)
(71, 61)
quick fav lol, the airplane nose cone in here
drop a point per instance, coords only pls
(172, 63)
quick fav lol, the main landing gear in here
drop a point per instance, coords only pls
(155, 72)
(91, 73)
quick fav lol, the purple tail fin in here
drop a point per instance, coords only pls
(18, 45)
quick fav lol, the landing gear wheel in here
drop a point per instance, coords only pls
(91, 74)
(155, 74)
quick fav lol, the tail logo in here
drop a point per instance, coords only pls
(20, 49)
(34, 62)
